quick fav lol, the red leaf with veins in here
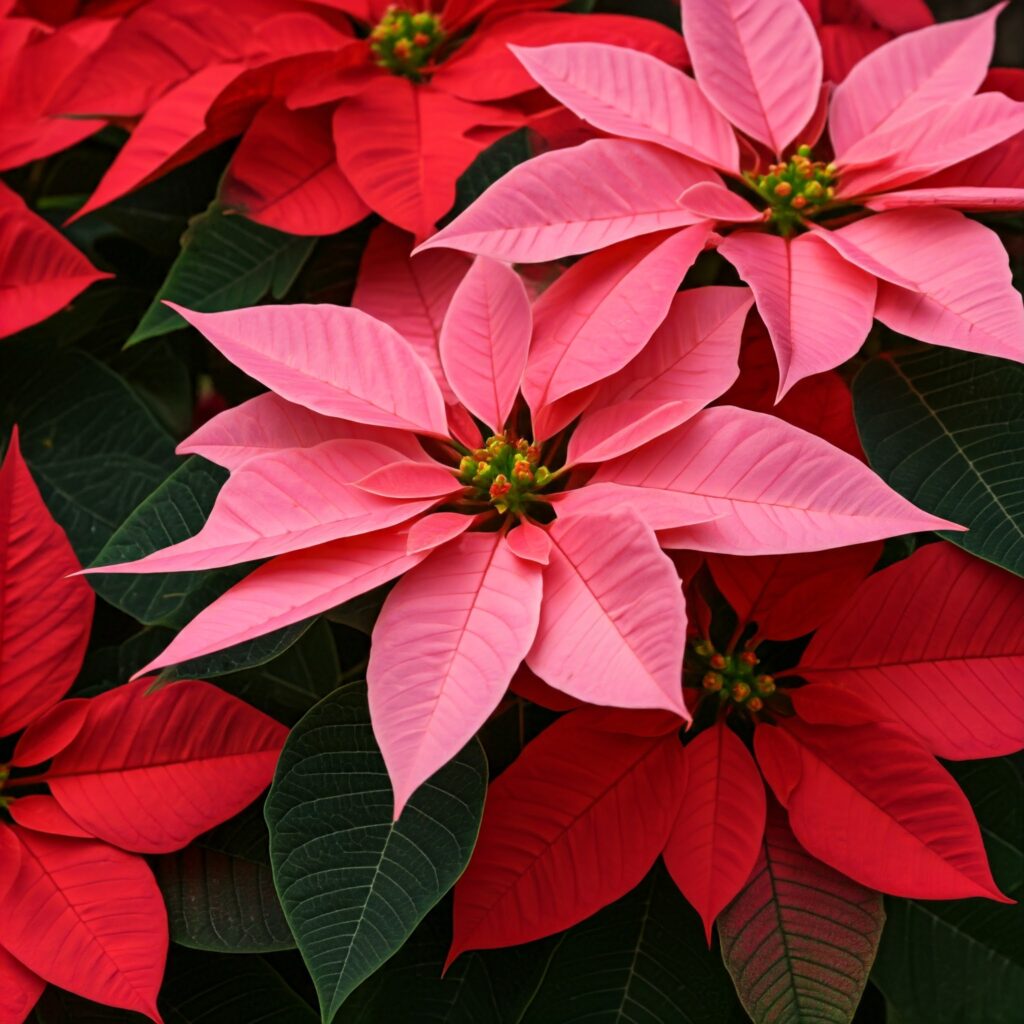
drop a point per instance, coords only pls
(151, 771)
(800, 935)
(575, 823)
(285, 174)
(44, 617)
(937, 642)
(871, 802)
(40, 270)
(791, 595)
(19, 989)
(88, 918)
(717, 835)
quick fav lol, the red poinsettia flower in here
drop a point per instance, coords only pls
(924, 660)
(90, 784)
(345, 107)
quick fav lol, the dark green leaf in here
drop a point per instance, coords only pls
(106, 667)
(354, 884)
(962, 961)
(173, 512)
(498, 159)
(226, 261)
(199, 988)
(494, 986)
(644, 960)
(220, 891)
(287, 687)
(240, 657)
(946, 430)
(94, 449)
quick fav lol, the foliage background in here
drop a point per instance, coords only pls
(104, 390)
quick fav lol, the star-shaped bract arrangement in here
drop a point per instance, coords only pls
(93, 783)
(541, 541)
(827, 234)
(921, 660)
(343, 108)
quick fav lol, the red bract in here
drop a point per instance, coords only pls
(378, 108)
(366, 463)
(822, 263)
(93, 783)
(924, 659)
(40, 270)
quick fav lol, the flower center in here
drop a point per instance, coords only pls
(405, 40)
(797, 189)
(734, 677)
(504, 472)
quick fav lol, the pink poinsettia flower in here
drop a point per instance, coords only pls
(344, 107)
(92, 785)
(873, 229)
(365, 463)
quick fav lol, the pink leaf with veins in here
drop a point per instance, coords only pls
(334, 360)
(931, 142)
(485, 339)
(570, 201)
(920, 71)
(291, 588)
(529, 541)
(818, 308)
(601, 312)
(269, 423)
(711, 201)
(963, 292)
(634, 95)
(759, 63)
(776, 488)
(410, 293)
(954, 197)
(410, 480)
(446, 644)
(292, 499)
(613, 624)
(691, 360)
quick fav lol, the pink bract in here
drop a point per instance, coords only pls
(873, 228)
(524, 545)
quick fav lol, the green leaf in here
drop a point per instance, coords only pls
(240, 657)
(107, 667)
(174, 511)
(226, 261)
(92, 446)
(199, 988)
(493, 986)
(353, 882)
(496, 160)
(220, 892)
(643, 959)
(962, 961)
(945, 429)
(799, 940)
(289, 685)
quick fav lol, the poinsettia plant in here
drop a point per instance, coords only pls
(620, 600)
(94, 782)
